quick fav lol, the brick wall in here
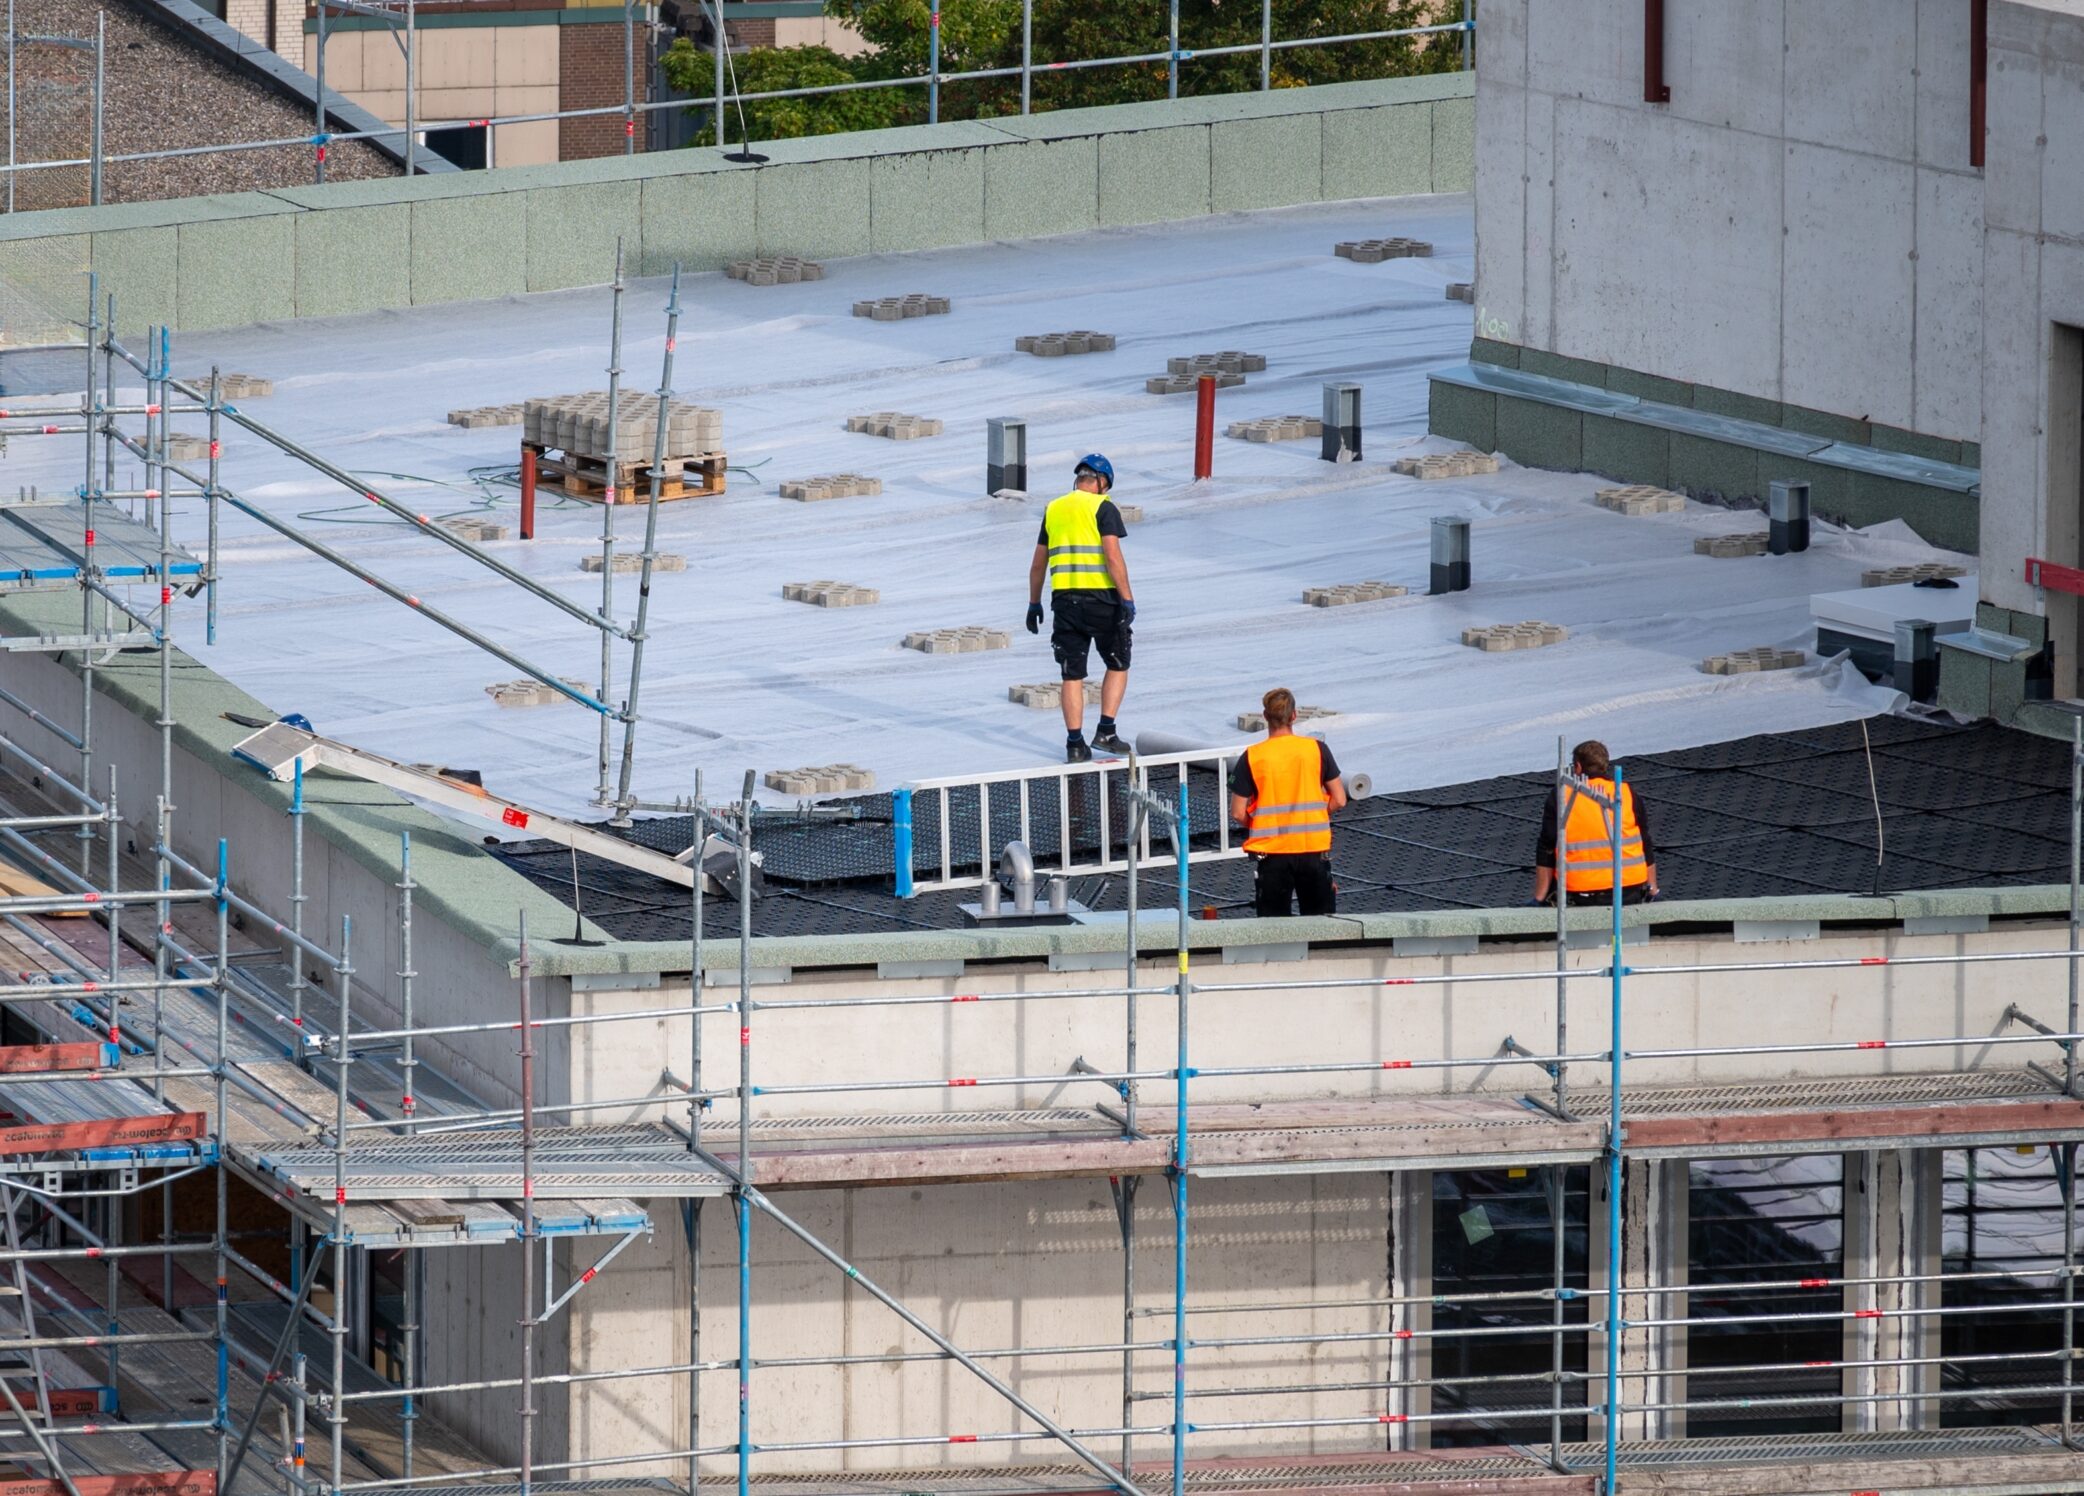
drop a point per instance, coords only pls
(251, 18)
(590, 75)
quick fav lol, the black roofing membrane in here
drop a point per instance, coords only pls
(1774, 815)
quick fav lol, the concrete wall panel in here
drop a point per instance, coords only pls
(813, 208)
(1655, 267)
(702, 219)
(1949, 313)
(138, 267)
(2062, 159)
(2013, 168)
(347, 261)
(1587, 49)
(926, 200)
(1383, 152)
(572, 233)
(1724, 60)
(1041, 187)
(1942, 98)
(466, 248)
(2014, 366)
(1851, 75)
(1503, 262)
(237, 270)
(1847, 318)
(1266, 163)
(1154, 176)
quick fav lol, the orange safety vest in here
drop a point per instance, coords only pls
(1289, 811)
(1588, 839)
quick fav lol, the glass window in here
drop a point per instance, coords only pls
(1752, 1221)
(2002, 1215)
(1494, 1231)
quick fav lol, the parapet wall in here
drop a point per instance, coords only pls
(354, 247)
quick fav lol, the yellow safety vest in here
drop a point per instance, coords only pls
(1076, 561)
(1289, 811)
(1588, 839)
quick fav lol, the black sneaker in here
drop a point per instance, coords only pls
(1076, 752)
(1109, 742)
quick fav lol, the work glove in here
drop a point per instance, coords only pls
(1034, 618)
(1128, 610)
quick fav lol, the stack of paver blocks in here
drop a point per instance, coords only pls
(242, 386)
(1255, 722)
(1746, 661)
(1638, 499)
(1462, 464)
(1532, 634)
(895, 425)
(486, 415)
(577, 425)
(1375, 251)
(1060, 344)
(531, 692)
(188, 448)
(1275, 429)
(820, 779)
(832, 486)
(631, 563)
(1351, 592)
(1461, 291)
(470, 527)
(1049, 694)
(969, 640)
(1183, 375)
(830, 594)
(775, 270)
(897, 308)
(1132, 514)
(1923, 571)
(1730, 547)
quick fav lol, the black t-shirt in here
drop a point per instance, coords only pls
(1241, 782)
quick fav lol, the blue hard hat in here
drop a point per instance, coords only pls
(1098, 466)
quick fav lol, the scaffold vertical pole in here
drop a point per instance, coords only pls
(610, 495)
(933, 63)
(528, 1222)
(2069, 1046)
(1125, 1191)
(409, 1328)
(1615, 816)
(629, 77)
(1179, 1146)
(745, 1150)
(2064, 1156)
(297, 984)
(337, 1323)
(1557, 1200)
(694, 1143)
(114, 914)
(91, 418)
(1172, 52)
(222, 1306)
(210, 503)
(1266, 45)
(640, 626)
(1562, 896)
(1027, 58)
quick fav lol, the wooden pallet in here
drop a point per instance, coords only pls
(587, 478)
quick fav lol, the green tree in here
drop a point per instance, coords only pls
(766, 69)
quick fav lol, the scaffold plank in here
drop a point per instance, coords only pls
(2021, 1121)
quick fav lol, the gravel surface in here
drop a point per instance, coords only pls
(162, 93)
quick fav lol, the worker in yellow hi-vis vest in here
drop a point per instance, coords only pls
(1079, 552)
(1284, 791)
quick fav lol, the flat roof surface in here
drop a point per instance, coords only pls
(1773, 815)
(738, 677)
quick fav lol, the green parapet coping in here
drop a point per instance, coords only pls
(1207, 109)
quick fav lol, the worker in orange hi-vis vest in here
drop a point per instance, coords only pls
(1588, 838)
(1284, 790)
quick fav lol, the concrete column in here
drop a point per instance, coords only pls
(1653, 1253)
(1891, 1230)
(1411, 1276)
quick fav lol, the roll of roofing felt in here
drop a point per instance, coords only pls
(1359, 786)
(1151, 744)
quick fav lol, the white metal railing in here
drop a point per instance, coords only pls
(1086, 839)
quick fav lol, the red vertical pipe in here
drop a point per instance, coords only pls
(527, 491)
(1205, 427)
(1978, 77)
(1655, 89)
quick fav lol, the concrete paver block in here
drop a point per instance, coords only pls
(1730, 547)
(1351, 592)
(531, 692)
(832, 486)
(895, 425)
(828, 594)
(1532, 634)
(1375, 251)
(1132, 514)
(241, 386)
(486, 415)
(1058, 344)
(1462, 464)
(1231, 361)
(1749, 661)
(631, 563)
(471, 527)
(897, 308)
(1048, 695)
(774, 270)
(1924, 571)
(1461, 291)
(1636, 499)
(1276, 429)
(968, 640)
(819, 779)
(1186, 384)
(577, 425)
(1255, 722)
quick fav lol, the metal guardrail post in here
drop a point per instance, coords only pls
(1027, 65)
(1614, 1323)
(1266, 45)
(1172, 53)
(901, 842)
(1181, 1073)
(933, 64)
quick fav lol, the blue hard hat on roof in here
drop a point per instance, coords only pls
(1098, 466)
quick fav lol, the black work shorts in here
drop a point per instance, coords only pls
(1083, 623)
(1288, 879)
